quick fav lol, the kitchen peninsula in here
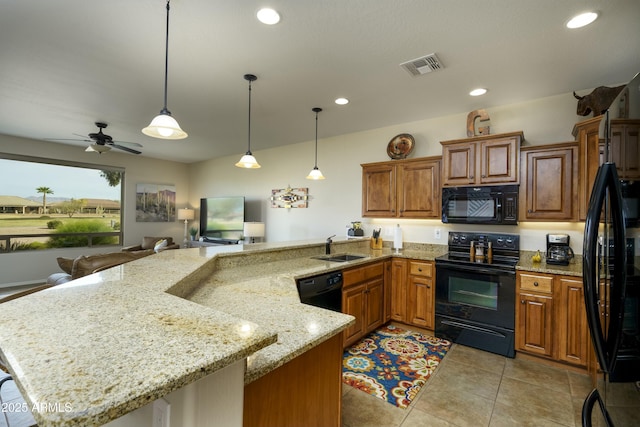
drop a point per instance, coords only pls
(98, 348)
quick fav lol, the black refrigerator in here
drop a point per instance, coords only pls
(612, 280)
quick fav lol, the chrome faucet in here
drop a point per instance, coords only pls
(327, 248)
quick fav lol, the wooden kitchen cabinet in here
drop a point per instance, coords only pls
(587, 135)
(549, 182)
(534, 314)
(551, 318)
(625, 152)
(573, 330)
(402, 189)
(483, 160)
(421, 294)
(399, 290)
(413, 292)
(363, 298)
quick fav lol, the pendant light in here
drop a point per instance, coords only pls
(163, 125)
(315, 172)
(248, 161)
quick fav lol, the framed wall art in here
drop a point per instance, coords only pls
(155, 203)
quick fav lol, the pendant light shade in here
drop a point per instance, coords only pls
(248, 161)
(163, 125)
(315, 172)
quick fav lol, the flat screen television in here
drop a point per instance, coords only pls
(222, 219)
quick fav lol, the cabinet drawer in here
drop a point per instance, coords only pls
(417, 268)
(360, 274)
(536, 283)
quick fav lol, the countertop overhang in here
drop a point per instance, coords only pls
(106, 344)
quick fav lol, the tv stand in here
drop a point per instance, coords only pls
(220, 241)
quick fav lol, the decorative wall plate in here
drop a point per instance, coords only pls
(400, 146)
(289, 198)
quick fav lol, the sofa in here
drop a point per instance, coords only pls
(74, 268)
(156, 243)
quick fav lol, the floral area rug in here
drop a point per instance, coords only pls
(393, 363)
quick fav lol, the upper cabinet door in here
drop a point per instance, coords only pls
(482, 160)
(379, 190)
(499, 160)
(459, 164)
(419, 189)
(549, 183)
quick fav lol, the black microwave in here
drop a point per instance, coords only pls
(480, 205)
(631, 202)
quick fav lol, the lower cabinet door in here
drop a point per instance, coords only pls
(353, 299)
(420, 302)
(534, 316)
(374, 304)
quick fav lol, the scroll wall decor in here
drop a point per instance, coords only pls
(289, 198)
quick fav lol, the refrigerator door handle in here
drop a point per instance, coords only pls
(606, 348)
(587, 409)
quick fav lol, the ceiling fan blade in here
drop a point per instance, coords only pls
(77, 140)
(130, 150)
(133, 144)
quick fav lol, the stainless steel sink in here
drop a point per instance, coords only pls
(339, 258)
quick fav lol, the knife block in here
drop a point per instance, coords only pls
(376, 245)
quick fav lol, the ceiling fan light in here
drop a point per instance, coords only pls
(248, 161)
(95, 148)
(315, 174)
(165, 127)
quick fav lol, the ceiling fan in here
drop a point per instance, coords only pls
(101, 142)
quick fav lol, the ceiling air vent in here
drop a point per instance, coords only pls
(423, 65)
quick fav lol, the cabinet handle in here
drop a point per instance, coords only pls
(428, 286)
(535, 283)
(521, 301)
(483, 176)
(420, 269)
(471, 177)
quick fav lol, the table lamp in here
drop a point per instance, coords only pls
(253, 230)
(185, 214)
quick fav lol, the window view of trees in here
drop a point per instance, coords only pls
(45, 205)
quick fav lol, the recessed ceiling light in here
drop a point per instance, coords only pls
(341, 101)
(268, 16)
(582, 20)
(478, 92)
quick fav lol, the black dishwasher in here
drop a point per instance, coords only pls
(323, 291)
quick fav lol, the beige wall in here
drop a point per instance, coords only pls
(336, 201)
(333, 203)
(30, 267)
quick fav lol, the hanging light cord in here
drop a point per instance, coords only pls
(249, 136)
(166, 64)
(316, 162)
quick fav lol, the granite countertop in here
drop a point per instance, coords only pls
(526, 264)
(108, 343)
(111, 342)
(271, 288)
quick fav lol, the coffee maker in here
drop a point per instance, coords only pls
(558, 250)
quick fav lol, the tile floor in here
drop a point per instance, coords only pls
(475, 388)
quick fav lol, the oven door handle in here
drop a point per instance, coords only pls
(475, 269)
(472, 328)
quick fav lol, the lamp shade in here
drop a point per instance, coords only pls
(248, 161)
(186, 214)
(164, 126)
(253, 229)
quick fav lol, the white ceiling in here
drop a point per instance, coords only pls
(65, 64)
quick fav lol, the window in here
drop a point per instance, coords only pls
(48, 204)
